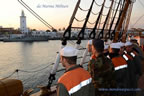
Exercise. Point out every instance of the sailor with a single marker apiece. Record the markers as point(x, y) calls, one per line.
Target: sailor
point(133, 40)
point(131, 69)
point(89, 46)
point(121, 68)
point(75, 81)
point(106, 52)
point(101, 69)
point(122, 48)
point(136, 58)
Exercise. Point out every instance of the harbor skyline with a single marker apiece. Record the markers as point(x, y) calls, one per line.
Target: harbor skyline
point(56, 12)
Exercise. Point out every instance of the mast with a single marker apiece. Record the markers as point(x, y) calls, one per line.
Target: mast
point(123, 15)
point(127, 23)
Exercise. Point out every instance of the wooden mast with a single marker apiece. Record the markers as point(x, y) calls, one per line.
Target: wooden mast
point(127, 23)
point(122, 18)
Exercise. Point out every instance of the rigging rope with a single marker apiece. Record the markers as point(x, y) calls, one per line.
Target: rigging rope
point(80, 20)
point(95, 13)
point(28, 71)
point(73, 43)
point(112, 22)
point(35, 14)
point(91, 23)
point(10, 75)
point(140, 16)
point(81, 33)
point(120, 21)
point(101, 5)
point(101, 23)
point(93, 32)
point(98, 4)
point(83, 9)
point(25, 81)
point(116, 2)
point(106, 7)
point(106, 21)
point(104, 14)
point(126, 24)
point(66, 36)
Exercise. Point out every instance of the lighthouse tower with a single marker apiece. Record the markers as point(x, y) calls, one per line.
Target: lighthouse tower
point(23, 27)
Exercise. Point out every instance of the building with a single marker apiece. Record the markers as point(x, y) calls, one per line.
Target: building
point(23, 26)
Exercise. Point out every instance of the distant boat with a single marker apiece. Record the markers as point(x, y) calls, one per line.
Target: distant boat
point(27, 39)
point(3, 37)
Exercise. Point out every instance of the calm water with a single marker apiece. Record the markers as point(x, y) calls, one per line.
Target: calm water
point(32, 58)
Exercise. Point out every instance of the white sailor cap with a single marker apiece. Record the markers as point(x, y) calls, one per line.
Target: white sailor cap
point(128, 43)
point(108, 42)
point(90, 42)
point(106, 46)
point(68, 51)
point(121, 44)
point(115, 46)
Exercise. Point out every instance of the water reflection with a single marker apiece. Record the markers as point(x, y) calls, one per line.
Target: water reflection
point(26, 53)
point(29, 56)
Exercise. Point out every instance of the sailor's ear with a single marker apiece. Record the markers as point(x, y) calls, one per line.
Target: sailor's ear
point(62, 59)
point(93, 49)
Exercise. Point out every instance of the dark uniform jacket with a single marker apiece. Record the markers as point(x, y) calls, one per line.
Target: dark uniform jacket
point(75, 82)
point(131, 70)
point(121, 72)
point(137, 62)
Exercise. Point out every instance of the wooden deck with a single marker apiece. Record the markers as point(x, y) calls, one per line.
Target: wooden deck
point(53, 93)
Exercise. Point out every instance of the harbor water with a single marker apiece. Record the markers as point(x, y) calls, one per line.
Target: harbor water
point(33, 60)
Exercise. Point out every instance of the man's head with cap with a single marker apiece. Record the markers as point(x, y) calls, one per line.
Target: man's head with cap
point(114, 48)
point(128, 43)
point(122, 47)
point(68, 56)
point(106, 51)
point(97, 46)
point(134, 41)
point(121, 44)
point(106, 46)
point(128, 46)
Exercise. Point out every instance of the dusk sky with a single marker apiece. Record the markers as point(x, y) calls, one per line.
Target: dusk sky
point(10, 11)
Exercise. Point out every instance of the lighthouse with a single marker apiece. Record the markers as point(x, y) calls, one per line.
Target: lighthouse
point(23, 27)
